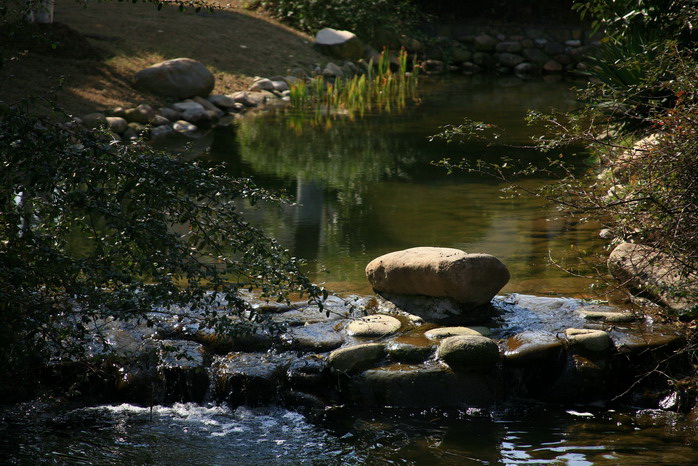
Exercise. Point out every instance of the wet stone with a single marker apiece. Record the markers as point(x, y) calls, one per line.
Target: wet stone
point(250, 378)
point(308, 373)
point(636, 341)
point(445, 332)
point(605, 314)
point(377, 325)
point(531, 346)
point(469, 352)
point(407, 353)
point(424, 385)
point(590, 340)
point(180, 354)
point(357, 357)
point(318, 337)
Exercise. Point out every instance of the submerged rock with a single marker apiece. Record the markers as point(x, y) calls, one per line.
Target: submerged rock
point(471, 279)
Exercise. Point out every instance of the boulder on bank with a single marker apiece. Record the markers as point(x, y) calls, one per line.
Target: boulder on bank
point(343, 45)
point(648, 270)
point(471, 279)
point(180, 78)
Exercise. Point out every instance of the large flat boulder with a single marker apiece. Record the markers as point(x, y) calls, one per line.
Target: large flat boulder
point(650, 271)
point(180, 78)
point(471, 279)
point(343, 45)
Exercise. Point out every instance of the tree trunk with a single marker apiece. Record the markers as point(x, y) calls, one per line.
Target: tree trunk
point(40, 11)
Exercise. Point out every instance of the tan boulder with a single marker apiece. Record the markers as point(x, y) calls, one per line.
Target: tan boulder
point(471, 279)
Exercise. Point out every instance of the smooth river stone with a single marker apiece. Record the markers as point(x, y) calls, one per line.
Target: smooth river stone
point(590, 340)
point(377, 325)
point(469, 352)
point(356, 358)
point(445, 332)
point(469, 279)
point(531, 345)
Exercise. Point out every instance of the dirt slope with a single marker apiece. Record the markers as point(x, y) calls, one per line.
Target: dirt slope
point(121, 38)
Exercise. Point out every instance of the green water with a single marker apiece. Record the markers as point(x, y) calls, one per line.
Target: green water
point(367, 187)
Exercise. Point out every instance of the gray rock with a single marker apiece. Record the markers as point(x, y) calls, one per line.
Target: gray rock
point(170, 114)
point(510, 60)
point(563, 59)
point(551, 66)
point(434, 66)
point(117, 124)
point(471, 279)
point(485, 43)
point(161, 133)
point(592, 313)
point(332, 71)
point(437, 310)
point(208, 105)
point(573, 43)
point(141, 114)
point(179, 78)
point(421, 386)
point(95, 120)
point(249, 378)
point(606, 233)
point(343, 45)
point(184, 127)
point(525, 70)
point(649, 270)
point(263, 84)
point(225, 102)
point(554, 48)
point(469, 352)
point(408, 353)
point(319, 337)
point(509, 47)
point(141, 130)
point(356, 358)
point(470, 68)
point(460, 54)
point(483, 59)
point(159, 120)
point(536, 55)
point(117, 112)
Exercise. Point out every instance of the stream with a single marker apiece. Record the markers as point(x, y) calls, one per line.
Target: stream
point(365, 187)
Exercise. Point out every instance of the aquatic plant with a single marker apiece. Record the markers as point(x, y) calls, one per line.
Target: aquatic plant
point(380, 89)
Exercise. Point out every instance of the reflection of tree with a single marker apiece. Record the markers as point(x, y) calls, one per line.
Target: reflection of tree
point(348, 156)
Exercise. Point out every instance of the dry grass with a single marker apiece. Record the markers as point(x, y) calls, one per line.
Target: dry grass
point(234, 43)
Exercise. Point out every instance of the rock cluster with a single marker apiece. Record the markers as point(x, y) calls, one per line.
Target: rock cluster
point(505, 49)
point(366, 352)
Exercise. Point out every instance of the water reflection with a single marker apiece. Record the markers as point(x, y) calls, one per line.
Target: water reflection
point(367, 187)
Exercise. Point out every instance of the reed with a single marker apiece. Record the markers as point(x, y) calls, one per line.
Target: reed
point(378, 90)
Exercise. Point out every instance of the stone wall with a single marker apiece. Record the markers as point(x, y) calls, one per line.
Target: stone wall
point(505, 48)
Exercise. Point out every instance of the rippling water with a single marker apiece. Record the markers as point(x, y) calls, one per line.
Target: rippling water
point(193, 434)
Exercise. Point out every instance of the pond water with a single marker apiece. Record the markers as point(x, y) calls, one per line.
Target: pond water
point(367, 186)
